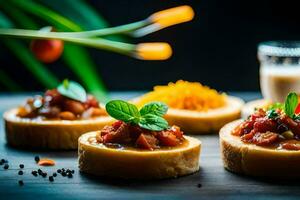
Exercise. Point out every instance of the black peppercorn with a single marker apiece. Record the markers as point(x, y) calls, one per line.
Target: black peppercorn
point(64, 173)
point(40, 172)
point(37, 158)
point(21, 166)
point(70, 175)
point(21, 182)
point(59, 171)
point(54, 174)
point(44, 174)
point(73, 171)
point(51, 179)
point(199, 185)
point(6, 166)
point(20, 172)
point(34, 173)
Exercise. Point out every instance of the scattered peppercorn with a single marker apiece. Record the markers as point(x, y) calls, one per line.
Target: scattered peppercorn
point(73, 171)
point(64, 173)
point(4, 161)
point(70, 175)
point(51, 179)
point(20, 172)
point(59, 171)
point(21, 166)
point(34, 173)
point(54, 174)
point(37, 159)
point(40, 172)
point(44, 174)
point(199, 185)
point(6, 166)
point(21, 182)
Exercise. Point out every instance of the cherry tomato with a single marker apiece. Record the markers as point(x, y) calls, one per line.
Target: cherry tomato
point(47, 51)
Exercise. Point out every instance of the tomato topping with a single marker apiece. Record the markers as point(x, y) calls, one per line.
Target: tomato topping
point(264, 139)
point(291, 145)
point(147, 141)
point(167, 138)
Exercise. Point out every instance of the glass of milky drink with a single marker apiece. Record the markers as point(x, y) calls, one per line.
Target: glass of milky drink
point(279, 69)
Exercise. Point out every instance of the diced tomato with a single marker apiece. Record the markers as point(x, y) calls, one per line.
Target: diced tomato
point(291, 145)
point(177, 132)
point(53, 97)
point(264, 139)
point(120, 136)
point(146, 141)
point(263, 125)
point(166, 138)
point(248, 137)
point(91, 102)
point(117, 124)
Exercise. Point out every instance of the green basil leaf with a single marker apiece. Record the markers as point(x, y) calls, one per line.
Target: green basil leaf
point(156, 108)
point(72, 90)
point(153, 122)
point(123, 111)
point(291, 103)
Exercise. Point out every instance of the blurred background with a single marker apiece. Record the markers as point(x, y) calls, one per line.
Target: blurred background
point(218, 48)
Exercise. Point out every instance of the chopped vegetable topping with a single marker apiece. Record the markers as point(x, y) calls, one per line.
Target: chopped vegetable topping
point(68, 103)
point(186, 95)
point(133, 135)
point(278, 126)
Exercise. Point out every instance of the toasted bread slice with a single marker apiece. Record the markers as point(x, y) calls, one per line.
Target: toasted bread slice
point(195, 122)
point(250, 159)
point(97, 159)
point(48, 134)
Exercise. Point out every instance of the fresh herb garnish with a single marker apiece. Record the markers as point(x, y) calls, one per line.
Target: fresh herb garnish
point(149, 117)
point(290, 104)
point(272, 114)
point(72, 90)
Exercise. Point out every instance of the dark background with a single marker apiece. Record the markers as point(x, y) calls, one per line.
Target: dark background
point(218, 48)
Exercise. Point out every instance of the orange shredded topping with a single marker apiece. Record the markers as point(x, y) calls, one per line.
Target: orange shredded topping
point(186, 95)
point(173, 16)
point(153, 51)
point(46, 162)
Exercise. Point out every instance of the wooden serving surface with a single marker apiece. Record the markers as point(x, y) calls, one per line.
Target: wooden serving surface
point(216, 182)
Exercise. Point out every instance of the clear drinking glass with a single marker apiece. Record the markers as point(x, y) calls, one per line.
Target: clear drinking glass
point(279, 69)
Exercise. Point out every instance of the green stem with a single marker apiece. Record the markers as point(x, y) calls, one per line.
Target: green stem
point(123, 29)
point(118, 47)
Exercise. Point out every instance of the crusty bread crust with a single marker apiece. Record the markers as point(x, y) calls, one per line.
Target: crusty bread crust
point(134, 164)
point(48, 134)
point(194, 122)
point(250, 159)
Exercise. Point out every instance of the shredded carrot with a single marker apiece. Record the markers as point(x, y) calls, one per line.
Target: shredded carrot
point(186, 95)
point(46, 162)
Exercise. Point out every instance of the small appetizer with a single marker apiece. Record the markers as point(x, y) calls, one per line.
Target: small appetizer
point(267, 143)
point(140, 145)
point(197, 109)
point(56, 119)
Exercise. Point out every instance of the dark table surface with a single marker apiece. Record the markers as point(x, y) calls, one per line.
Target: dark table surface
point(217, 183)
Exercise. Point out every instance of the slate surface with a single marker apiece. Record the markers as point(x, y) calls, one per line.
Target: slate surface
point(217, 183)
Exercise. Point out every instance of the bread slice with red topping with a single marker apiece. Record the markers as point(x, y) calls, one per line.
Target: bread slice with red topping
point(255, 160)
